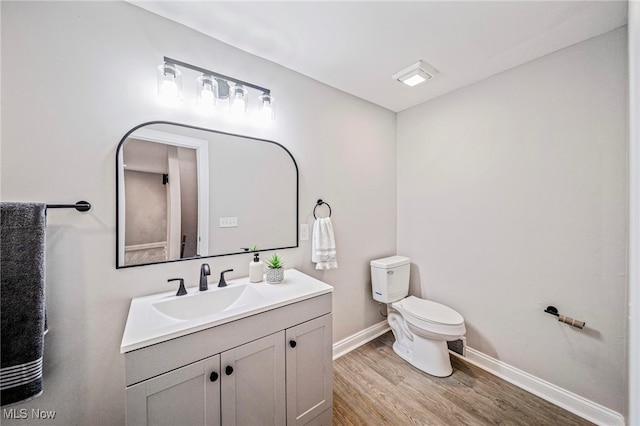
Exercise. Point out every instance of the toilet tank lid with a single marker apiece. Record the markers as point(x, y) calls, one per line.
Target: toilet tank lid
point(390, 262)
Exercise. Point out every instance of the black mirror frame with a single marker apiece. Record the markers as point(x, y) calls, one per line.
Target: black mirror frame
point(119, 147)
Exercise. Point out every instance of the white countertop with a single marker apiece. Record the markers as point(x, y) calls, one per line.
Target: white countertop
point(147, 326)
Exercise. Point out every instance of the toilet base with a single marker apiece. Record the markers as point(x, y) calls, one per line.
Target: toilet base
point(428, 355)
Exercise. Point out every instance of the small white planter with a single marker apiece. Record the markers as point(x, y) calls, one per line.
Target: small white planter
point(275, 276)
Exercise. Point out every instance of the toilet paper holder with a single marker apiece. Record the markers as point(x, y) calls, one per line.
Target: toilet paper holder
point(565, 319)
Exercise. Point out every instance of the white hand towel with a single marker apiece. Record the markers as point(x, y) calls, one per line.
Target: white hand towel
point(323, 244)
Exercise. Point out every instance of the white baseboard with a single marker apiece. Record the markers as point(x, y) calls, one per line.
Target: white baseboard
point(354, 341)
point(556, 395)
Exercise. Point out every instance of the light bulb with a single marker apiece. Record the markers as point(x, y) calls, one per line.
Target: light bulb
point(238, 107)
point(266, 113)
point(169, 89)
point(267, 108)
point(206, 93)
point(169, 84)
point(206, 96)
point(206, 101)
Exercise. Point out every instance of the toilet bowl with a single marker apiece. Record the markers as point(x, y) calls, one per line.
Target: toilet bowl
point(421, 327)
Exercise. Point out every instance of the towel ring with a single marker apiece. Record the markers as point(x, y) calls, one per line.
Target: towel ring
point(319, 203)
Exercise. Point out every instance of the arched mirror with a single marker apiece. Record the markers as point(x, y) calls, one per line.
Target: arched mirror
point(185, 192)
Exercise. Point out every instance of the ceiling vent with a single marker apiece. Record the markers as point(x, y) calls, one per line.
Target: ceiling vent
point(415, 74)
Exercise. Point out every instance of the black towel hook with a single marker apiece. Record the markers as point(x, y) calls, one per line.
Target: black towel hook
point(319, 203)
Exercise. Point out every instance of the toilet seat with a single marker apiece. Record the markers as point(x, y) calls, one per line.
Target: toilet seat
point(430, 311)
point(430, 319)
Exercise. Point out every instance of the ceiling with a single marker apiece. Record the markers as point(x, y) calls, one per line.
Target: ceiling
point(356, 46)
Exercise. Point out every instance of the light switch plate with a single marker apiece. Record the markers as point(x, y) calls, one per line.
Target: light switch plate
point(304, 232)
point(228, 222)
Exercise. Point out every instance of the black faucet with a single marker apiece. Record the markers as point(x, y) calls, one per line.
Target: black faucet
point(222, 282)
point(181, 291)
point(204, 272)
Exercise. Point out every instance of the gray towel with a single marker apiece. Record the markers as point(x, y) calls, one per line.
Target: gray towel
point(22, 252)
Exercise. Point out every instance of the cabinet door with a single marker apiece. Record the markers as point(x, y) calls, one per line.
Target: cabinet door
point(187, 396)
point(309, 370)
point(253, 383)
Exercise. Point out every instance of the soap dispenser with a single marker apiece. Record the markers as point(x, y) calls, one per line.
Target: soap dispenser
point(256, 269)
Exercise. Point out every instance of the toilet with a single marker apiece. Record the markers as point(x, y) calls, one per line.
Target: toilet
point(421, 327)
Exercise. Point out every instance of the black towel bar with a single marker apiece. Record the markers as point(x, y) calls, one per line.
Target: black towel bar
point(81, 206)
point(319, 203)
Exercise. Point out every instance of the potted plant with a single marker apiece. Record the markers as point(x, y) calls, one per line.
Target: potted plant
point(275, 270)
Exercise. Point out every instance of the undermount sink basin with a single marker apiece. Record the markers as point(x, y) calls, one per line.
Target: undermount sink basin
point(203, 304)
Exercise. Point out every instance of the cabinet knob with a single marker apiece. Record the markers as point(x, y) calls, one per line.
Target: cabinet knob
point(214, 376)
point(292, 343)
point(228, 370)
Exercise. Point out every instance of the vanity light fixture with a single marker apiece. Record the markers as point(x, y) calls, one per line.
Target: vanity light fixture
point(213, 91)
point(415, 74)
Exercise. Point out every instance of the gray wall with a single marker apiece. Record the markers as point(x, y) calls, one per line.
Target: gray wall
point(76, 76)
point(511, 197)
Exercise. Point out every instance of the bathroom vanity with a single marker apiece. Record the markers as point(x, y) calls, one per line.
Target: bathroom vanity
point(246, 354)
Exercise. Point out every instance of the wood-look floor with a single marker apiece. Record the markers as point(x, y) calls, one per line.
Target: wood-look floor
point(374, 386)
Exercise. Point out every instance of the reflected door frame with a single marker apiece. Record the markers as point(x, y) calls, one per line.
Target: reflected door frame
point(202, 158)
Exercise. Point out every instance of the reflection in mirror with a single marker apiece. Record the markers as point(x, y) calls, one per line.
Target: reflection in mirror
point(186, 192)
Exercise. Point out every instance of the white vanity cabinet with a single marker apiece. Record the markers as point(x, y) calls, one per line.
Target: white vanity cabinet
point(272, 368)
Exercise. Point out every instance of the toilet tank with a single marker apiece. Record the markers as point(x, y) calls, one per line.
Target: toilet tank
point(390, 278)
